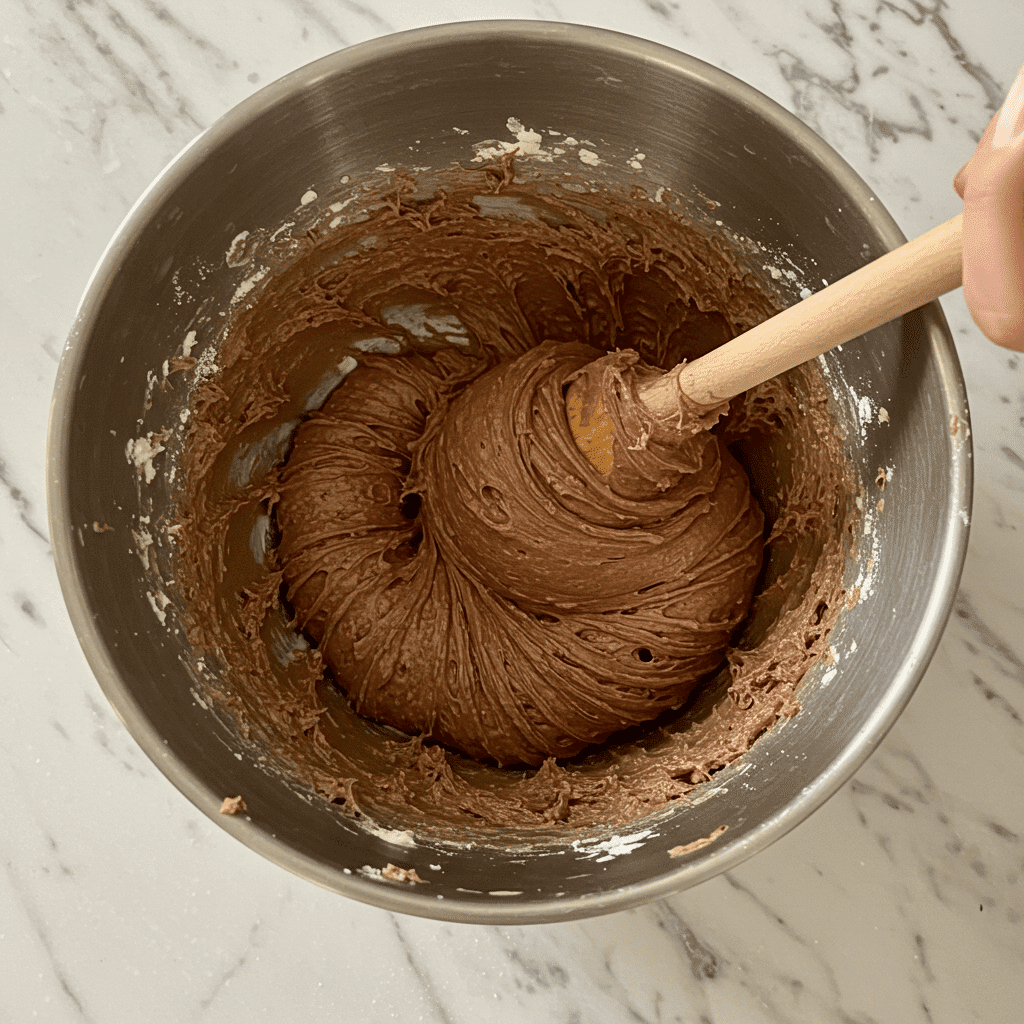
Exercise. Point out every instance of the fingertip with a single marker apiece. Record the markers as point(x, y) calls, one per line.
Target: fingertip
point(1001, 326)
point(960, 179)
point(993, 289)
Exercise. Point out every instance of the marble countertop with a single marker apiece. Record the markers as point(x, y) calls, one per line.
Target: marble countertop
point(900, 901)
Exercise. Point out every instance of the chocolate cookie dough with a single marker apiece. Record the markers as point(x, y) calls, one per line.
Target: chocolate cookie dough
point(468, 575)
point(386, 524)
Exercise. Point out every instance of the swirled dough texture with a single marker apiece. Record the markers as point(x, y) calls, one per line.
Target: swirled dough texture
point(353, 560)
point(532, 606)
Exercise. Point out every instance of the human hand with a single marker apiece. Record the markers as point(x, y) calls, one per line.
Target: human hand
point(991, 185)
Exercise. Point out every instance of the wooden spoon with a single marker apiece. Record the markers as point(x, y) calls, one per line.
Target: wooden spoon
point(908, 277)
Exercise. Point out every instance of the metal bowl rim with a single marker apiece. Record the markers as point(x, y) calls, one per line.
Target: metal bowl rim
point(724, 855)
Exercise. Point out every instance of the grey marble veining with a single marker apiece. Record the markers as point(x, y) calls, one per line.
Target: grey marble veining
point(900, 901)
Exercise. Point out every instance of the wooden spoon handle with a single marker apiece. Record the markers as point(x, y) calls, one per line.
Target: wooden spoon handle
point(904, 279)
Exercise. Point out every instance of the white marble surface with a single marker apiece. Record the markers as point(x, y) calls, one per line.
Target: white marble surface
point(900, 901)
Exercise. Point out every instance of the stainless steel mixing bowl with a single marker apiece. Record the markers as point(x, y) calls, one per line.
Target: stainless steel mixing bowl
point(421, 98)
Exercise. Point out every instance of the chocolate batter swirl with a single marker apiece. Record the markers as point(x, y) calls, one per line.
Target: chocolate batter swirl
point(532, 607)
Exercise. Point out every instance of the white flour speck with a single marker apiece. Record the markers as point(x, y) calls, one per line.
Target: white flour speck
point(248, 284)
point(141, 451)
point(236, 255)
point(865, 414)
point(614, 847)
point(159, 601)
